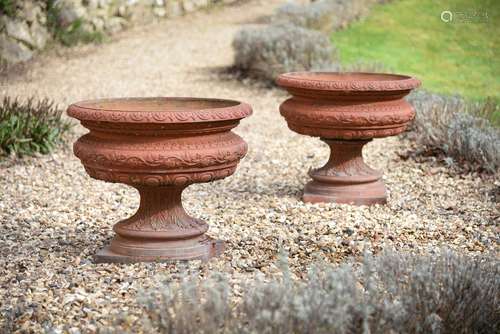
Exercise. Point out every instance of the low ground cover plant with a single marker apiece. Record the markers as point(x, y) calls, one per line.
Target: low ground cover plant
point(458, 128)
point(268, 52)
point(390, 293)
point(30, 127)
point(323, 15)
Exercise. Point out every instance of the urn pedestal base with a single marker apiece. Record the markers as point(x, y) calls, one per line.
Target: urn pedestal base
point(201, 249)
point(160, 231)
point(345, 178)
point(357, 194)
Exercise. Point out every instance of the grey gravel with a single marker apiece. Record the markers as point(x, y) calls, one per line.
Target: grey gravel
point(53, 217)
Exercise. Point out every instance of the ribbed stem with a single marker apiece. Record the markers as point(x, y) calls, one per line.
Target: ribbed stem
point(346, 162)
point(160, 215)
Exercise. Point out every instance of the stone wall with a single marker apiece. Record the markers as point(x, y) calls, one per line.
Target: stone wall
point(25, 31)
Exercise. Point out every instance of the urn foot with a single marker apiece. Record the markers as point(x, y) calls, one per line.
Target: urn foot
point(202, 248)
point(357, 194)
point(345, 178)
point(160, 230)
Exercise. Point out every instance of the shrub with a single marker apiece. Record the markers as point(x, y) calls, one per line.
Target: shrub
point(72, 34)
point(267, 52)
point(76, 33)
point(8, 7)
point(30, 127)
point(391, 293)
point(323, 15)
point(294, 42)
point(458, 128)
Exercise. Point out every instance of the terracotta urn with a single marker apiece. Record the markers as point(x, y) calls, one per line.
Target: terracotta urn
point(346, 110)
point(160, 146)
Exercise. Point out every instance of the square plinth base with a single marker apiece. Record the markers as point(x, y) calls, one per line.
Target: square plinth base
point(354, 194)
point(203, 251)
point(315, 198)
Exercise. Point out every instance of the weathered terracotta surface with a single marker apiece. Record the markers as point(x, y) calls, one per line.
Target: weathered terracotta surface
point(346, 110)
point(160, 146)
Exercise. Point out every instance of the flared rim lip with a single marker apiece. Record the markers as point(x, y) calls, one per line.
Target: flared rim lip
point(87, 111)
point(307, 80)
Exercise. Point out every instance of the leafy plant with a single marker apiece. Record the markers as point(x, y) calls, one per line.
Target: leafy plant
point(76, 33)
point(30, 127)
point(390, 293)
point(8, 7)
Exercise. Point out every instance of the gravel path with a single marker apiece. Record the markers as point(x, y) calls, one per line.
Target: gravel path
point(53, 217)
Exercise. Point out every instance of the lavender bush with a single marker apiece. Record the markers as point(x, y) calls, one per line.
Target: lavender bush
point(296, 39)
point(267, 52)
point(459, 129)
point(390, 293)
point(323, 15)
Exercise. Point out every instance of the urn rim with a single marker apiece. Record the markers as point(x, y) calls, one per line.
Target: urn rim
point(173, 110)
point(347, 81)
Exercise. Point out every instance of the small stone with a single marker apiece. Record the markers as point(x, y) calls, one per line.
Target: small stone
point(30, 11)
point(18, 30)
point(74, 330)
point(174, 8)
point(189, 6)
point(92, 4)
point(39, 35)
point(201, 3)
point(160, 11)
point(122, 11)
point(103, 3)
point(13, 51)
point(114, 24)
point(70, 11)
point(98, 23)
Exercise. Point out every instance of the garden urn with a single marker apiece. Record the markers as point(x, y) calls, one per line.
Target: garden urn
point(160, 146)
point(346, 111)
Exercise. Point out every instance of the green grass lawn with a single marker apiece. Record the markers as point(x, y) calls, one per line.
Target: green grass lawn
point(408, 36)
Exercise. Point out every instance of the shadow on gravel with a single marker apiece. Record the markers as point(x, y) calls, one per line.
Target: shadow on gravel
point(279, 190)
point(10, 73)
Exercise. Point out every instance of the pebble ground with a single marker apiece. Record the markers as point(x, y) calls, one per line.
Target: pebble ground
point(53, 217)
